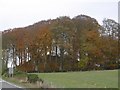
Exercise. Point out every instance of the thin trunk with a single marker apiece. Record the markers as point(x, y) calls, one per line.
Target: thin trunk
point(56, 53)
point(62, 59)
point(45, 59)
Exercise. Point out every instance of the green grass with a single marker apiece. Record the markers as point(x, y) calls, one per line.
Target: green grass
point(88, 79)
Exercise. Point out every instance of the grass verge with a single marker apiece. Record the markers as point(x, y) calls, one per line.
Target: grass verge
point(88, 79)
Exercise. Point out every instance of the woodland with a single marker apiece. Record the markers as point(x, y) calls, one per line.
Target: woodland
point(63, 44)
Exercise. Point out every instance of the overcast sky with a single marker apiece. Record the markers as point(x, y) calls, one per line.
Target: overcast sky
point(20, 13)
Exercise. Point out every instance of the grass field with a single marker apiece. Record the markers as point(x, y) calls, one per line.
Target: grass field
point(88, 79)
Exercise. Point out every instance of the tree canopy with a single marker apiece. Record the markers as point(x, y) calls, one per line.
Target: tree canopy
point(63, 44)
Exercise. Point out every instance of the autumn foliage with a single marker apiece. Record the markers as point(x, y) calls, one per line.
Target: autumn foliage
point(64, 44)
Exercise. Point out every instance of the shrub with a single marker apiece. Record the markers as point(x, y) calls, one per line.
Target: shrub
point(32, 78)
point(4, 71)
point(18, 73)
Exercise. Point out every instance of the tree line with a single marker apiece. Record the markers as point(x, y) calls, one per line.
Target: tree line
point(63, 44)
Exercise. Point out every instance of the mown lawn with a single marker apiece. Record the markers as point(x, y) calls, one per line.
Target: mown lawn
point(88, 79)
